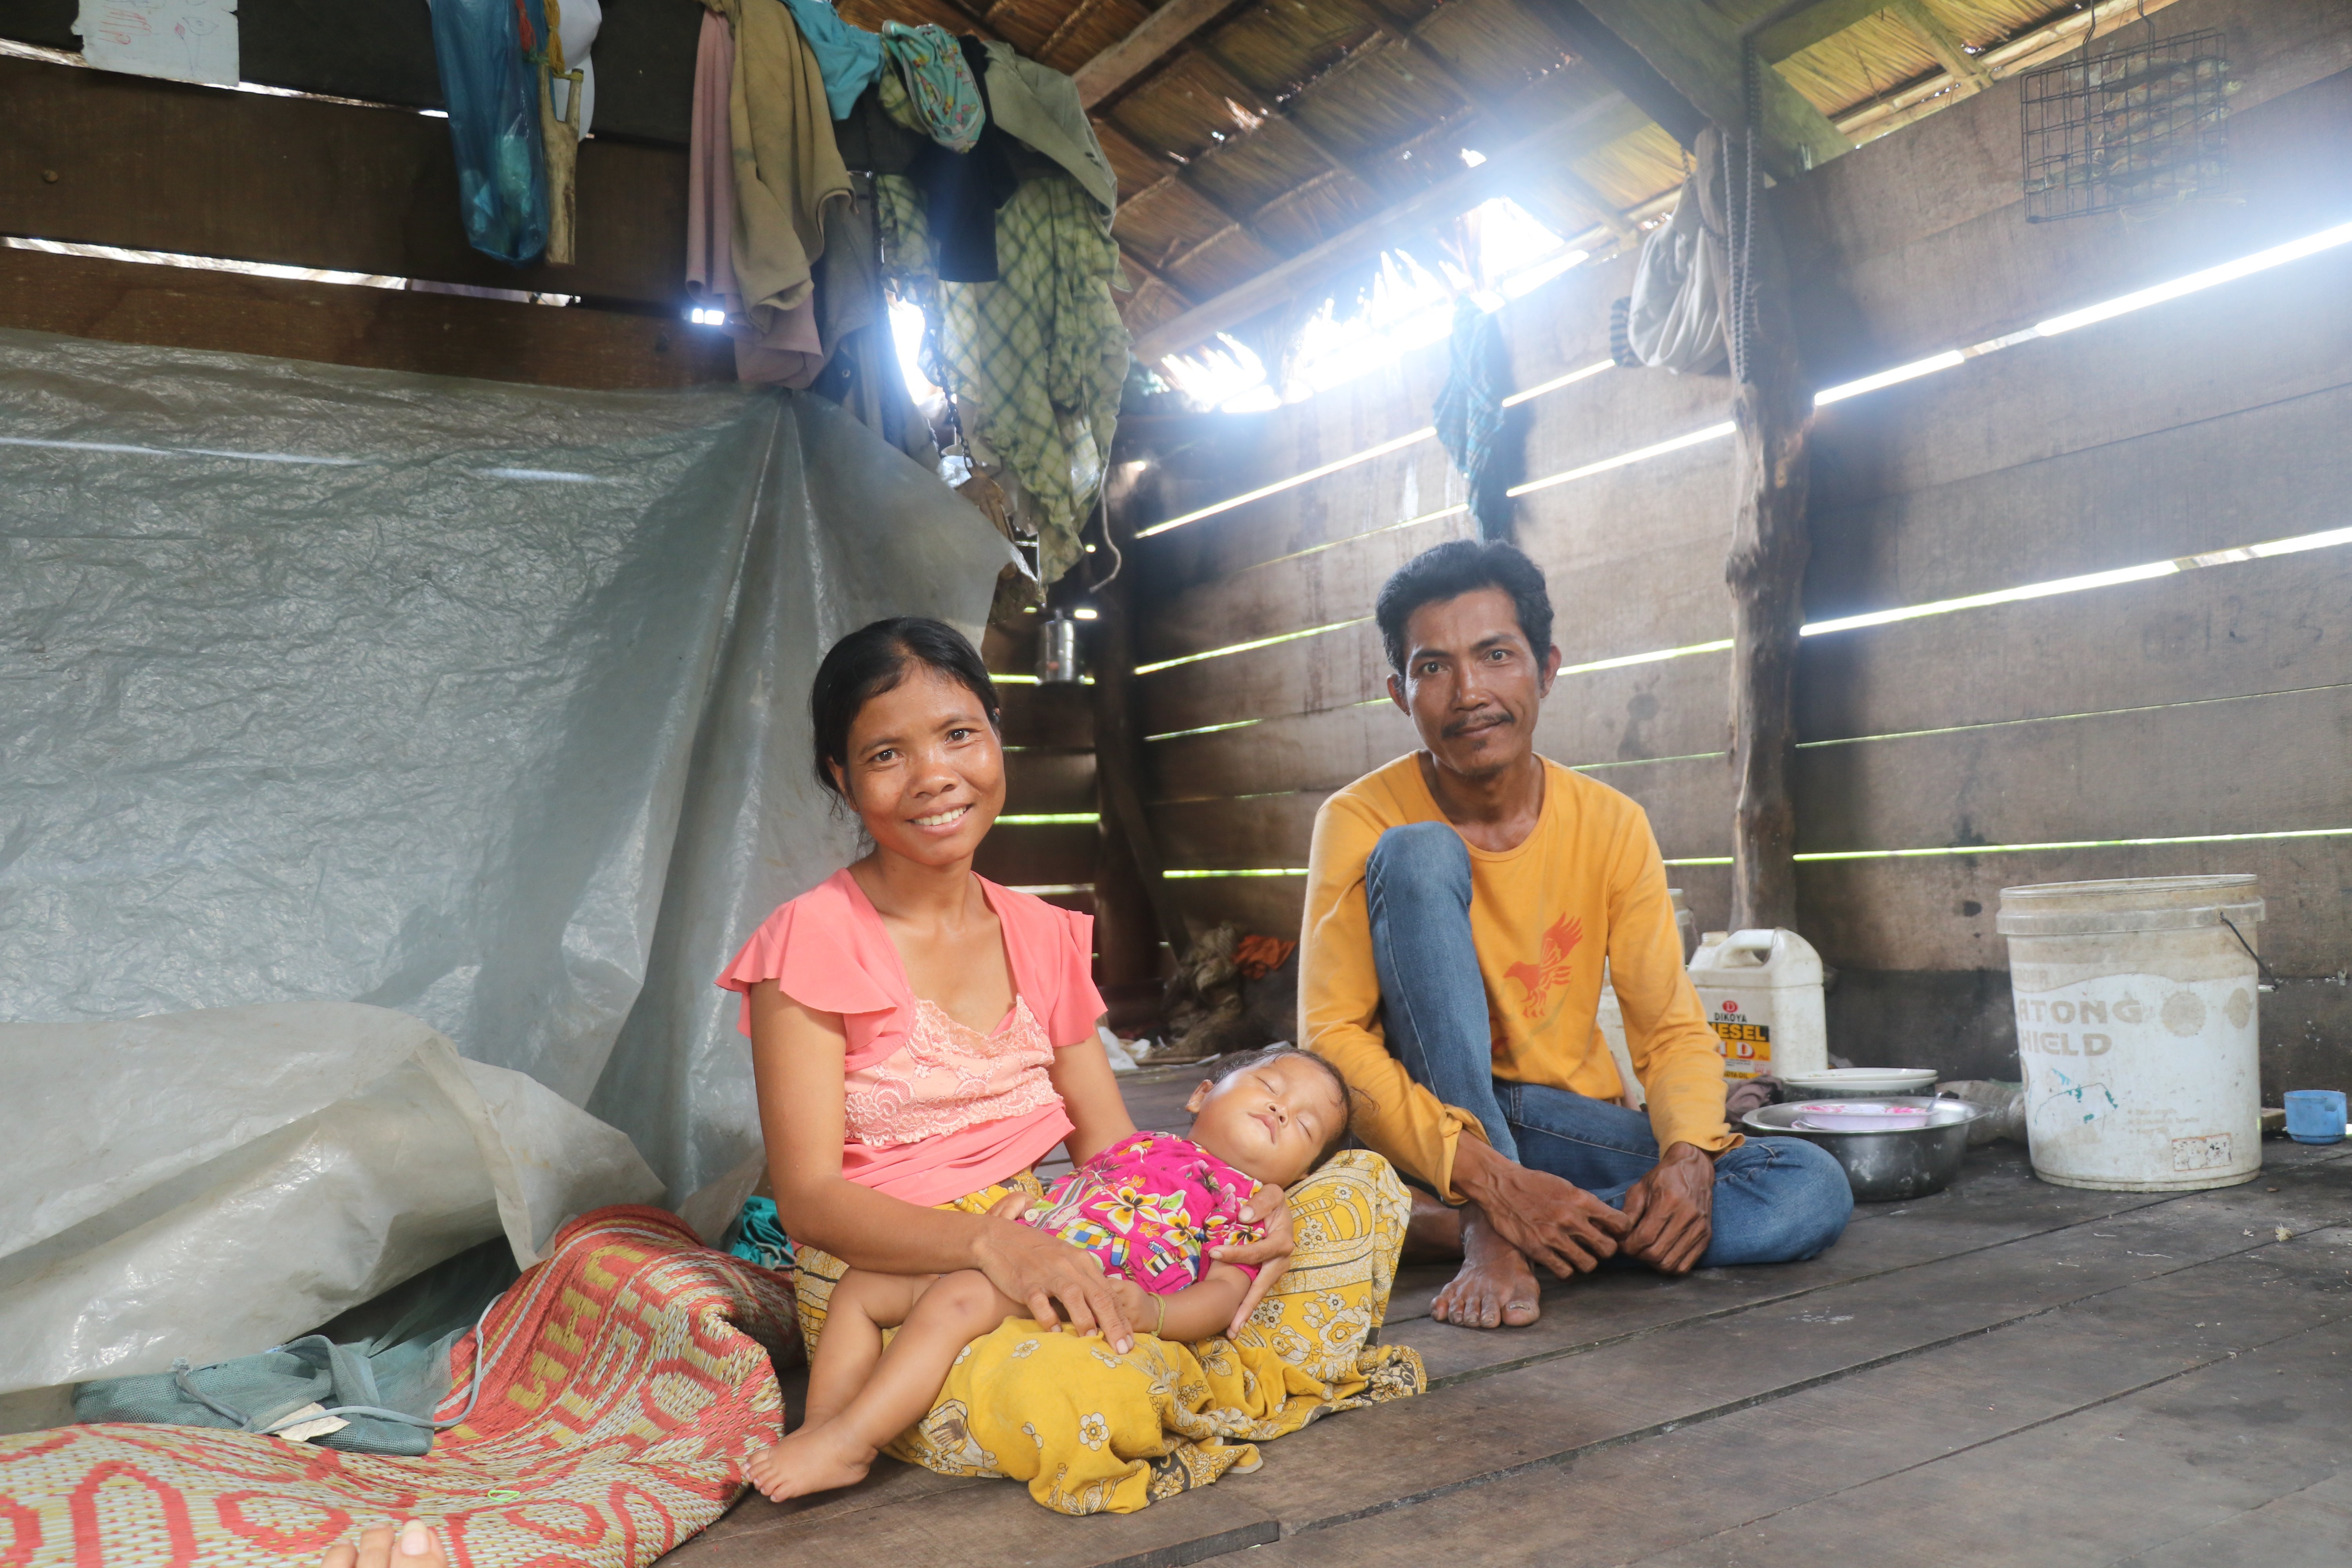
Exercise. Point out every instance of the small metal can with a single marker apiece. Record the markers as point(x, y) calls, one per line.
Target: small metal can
point(1057, 650)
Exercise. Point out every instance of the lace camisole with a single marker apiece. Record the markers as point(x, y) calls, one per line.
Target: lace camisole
point(947, 1076)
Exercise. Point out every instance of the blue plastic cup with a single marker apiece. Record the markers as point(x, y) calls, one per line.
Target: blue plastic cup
point(2316, 1115)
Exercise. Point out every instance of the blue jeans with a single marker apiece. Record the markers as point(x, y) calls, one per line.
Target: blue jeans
point(1777, 1200)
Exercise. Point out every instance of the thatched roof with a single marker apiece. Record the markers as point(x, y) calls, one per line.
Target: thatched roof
point(1278, 125)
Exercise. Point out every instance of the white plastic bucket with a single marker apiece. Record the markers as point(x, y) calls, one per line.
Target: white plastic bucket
point(2136, 1009)
point(1762, 994)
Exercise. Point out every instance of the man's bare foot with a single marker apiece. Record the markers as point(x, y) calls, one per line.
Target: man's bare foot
point(812, 1459)
point(1494, 1287)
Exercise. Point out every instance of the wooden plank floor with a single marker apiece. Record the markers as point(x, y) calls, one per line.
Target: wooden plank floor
point(2007, 1373)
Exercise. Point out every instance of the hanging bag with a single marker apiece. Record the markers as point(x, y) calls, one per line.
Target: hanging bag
point(485, 48)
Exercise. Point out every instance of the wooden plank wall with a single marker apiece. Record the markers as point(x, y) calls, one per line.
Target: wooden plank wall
point(97, 159)
point(2212, 702)
point(1049, 772)
point(1049, 767)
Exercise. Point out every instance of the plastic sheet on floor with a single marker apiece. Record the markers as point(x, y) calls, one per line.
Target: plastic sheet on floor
point(208, 1184)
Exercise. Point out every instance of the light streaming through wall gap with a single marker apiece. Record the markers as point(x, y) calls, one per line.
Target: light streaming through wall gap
point(2123, 304)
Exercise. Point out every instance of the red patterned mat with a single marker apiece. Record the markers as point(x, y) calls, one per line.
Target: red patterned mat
point(626, 1381)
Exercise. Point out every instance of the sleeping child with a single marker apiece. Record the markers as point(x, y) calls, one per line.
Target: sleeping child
point(1149, 1209)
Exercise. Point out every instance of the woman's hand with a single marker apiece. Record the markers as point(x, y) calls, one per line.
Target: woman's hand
point(1268, 1206)
point(1047, 1272)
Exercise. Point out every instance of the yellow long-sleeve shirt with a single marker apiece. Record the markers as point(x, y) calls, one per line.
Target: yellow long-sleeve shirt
point(1585, 885)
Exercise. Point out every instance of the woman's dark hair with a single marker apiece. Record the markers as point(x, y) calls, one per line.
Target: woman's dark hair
point(873, 660)
point(1453, 569)
point(1226, 1066)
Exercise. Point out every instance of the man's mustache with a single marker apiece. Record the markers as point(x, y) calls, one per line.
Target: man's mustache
point(1485, 719)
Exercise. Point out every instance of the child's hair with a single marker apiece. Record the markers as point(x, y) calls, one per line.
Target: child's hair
point(873, 660)
point(1226, 1066)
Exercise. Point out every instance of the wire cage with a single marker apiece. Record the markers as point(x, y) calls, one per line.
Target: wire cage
point(2127, 129)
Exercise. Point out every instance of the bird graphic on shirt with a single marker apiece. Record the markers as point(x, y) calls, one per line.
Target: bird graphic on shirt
point(1540, 978)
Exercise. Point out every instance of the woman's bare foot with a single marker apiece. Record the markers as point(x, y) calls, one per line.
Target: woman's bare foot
point(406, 1545)
point(813, 1460)
point(1433, 1233)
point(1496, 1287)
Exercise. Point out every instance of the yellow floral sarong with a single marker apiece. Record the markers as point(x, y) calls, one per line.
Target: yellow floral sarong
point(1091, 1431)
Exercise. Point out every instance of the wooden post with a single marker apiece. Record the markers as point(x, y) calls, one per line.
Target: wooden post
point(1119, 760)
point(1770, 544)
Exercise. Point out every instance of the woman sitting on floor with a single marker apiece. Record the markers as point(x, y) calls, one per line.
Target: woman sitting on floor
point(922, 1037)
point(1152, 1208)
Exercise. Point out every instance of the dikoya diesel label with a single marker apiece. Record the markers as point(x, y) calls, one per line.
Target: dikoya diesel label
point(1747, 1045)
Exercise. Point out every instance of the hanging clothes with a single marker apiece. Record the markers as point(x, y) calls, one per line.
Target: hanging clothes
point(785, 163)
point(940, 85)
point(961, 190)
point(787, 351)
point(871, 140)
point(1040, 107)
point(848, 57)
point(861, 369)
point(1471, 423)
point(1035, 360)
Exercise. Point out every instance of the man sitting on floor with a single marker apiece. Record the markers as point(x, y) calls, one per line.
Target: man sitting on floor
point(1460, 902)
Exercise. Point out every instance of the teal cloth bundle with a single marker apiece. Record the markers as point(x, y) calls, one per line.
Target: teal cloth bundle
point(758, 1236)
point(940, 84)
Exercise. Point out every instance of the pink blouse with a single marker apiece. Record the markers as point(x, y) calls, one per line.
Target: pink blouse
point(932, 1109)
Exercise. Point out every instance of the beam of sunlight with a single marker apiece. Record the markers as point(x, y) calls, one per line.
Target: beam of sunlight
point(1555, 383)
point(1397, 444)
point(1917, 367)
point(1241, 871)
point(2227, 272)
point(1640, 454)
point(2068, 844)
point(1248, 646)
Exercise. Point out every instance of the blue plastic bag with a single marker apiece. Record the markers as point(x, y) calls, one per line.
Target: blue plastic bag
point(487, 50)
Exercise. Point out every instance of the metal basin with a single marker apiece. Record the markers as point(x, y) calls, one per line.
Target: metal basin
point(1881, 1167)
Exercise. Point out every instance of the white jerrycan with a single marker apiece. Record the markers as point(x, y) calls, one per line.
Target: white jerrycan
point(1610, 1018)
point(1762, 994)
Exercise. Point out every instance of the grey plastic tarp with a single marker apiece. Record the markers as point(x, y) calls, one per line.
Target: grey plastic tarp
point(483, 703)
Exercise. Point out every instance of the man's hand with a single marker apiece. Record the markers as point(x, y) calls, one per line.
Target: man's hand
point(1672, 1211)
point(1550, 1222)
